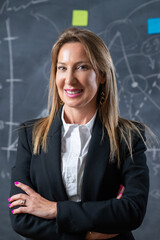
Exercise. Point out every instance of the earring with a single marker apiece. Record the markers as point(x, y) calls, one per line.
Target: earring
point(102, 98)
point(60, 101)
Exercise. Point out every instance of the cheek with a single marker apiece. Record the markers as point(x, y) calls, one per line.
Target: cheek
point(58, 88)
point(93, 83)
point(59, 82)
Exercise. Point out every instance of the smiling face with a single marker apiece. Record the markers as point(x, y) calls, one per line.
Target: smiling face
point(76, 81)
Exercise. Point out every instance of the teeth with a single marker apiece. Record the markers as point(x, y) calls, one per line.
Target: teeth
point(74, 92)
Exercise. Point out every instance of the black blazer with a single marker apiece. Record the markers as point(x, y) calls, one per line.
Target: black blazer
point(99, 210)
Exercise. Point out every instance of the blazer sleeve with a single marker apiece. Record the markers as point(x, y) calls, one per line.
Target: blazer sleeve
point(113, 215)
point(25, 224)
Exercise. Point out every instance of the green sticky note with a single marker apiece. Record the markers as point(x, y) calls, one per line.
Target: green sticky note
point(80, 18)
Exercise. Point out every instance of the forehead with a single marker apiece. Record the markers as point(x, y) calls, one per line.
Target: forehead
point(72, 51)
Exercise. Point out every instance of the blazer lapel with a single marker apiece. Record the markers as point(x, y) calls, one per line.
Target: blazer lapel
point(53, 159)
point(96, 163)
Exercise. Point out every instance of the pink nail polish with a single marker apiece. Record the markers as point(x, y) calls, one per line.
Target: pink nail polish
point(16, 183)
point(9, 199)
point(9, 205)
point(12, 211)
point(121, 186)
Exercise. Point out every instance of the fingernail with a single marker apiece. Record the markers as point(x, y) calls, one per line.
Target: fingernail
point(16, 183)
point(9, 199)
point(121, 186)
point(9, 205)
point(12, 211)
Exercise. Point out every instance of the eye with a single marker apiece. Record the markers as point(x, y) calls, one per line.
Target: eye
point(83, 67)
point(61, 68)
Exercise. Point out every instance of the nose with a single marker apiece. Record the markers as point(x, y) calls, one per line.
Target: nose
point(70, 77)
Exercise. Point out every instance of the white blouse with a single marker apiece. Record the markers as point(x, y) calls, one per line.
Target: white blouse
point(75, 141)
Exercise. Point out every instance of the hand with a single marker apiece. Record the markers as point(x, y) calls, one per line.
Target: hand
point(32, 203)
point(96, 235)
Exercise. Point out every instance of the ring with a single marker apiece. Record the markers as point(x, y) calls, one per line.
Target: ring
point(23, 202)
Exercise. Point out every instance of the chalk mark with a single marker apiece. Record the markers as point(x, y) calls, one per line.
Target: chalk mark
point(118, 35)
point(139, 7)
point(11, 81)
point(39, 16)
point(6, 7)
point(149, 98)
point(155, 193)
point(12, 147)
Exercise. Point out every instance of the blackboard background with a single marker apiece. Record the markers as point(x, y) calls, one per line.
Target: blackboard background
point(28, 29)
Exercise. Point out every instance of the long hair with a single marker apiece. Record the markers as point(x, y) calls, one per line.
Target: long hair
point(101, 62)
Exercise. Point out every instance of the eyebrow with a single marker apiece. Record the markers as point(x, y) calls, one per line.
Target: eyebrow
point(75, 63)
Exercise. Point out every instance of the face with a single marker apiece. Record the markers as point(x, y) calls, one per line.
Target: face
point(76, 81)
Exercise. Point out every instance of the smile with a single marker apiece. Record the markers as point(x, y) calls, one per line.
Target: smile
point(72, 92)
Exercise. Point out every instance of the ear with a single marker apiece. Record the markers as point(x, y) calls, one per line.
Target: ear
point(102, 79)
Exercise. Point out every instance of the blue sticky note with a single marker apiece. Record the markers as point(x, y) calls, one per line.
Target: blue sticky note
point(153, 25)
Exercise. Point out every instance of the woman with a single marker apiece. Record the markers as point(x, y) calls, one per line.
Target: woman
point(70, 165)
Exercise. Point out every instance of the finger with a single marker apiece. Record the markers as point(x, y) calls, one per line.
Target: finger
point(96, 235)
point(119, 196)
point(121, 191)
point(18, 197)
point(25, 188)
point(19, 202)
point(108, 236)
point(20, 210)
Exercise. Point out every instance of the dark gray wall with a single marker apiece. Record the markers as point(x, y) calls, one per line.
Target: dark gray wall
point(28, 29)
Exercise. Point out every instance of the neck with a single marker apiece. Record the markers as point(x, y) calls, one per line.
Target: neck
point(78, 116)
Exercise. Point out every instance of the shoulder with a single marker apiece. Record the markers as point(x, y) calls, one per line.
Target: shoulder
point(131, 134)
point(130, 128)
point(138, 132)
point(25, 129)
point(25, 133)
point(29, 124)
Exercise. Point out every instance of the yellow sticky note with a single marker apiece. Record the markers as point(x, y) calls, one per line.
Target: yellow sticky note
point(80, 18)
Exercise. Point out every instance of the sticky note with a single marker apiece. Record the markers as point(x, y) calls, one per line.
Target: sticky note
point(153, 25)
point(79, 18)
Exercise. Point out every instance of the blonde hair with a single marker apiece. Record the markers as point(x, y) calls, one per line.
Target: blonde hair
point(101, 62)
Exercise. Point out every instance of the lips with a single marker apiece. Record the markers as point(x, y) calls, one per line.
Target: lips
point(73, 91)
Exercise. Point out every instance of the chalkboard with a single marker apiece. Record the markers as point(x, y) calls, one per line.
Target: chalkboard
point(29, 28)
